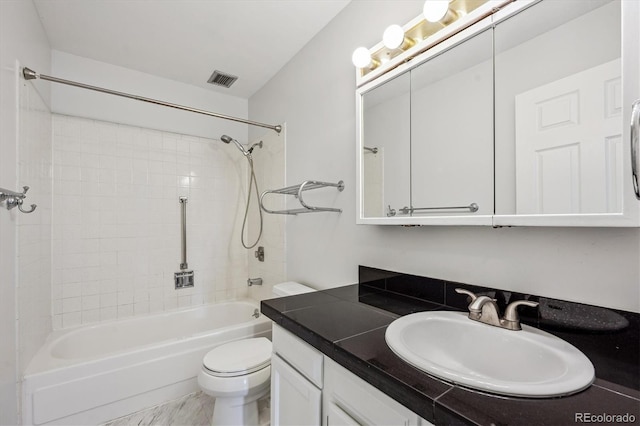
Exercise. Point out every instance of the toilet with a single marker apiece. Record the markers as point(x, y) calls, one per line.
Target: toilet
point(238, 374)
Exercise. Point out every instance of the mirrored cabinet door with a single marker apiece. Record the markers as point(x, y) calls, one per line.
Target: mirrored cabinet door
point(452, 131)
point(385, 150)
point(561, 123)
point(522, 119)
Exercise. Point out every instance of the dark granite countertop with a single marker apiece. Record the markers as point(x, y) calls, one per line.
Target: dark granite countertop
point(348, 325)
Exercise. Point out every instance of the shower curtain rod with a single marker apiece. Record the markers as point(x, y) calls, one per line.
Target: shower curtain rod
point(29, 74)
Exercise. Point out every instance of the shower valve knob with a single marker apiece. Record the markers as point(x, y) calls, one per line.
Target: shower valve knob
point(259, 254)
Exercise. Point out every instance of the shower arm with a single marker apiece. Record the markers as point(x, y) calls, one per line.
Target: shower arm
point(29, 74)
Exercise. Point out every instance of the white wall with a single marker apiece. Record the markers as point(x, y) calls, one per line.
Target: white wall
point(21, 39)
point(314, 94)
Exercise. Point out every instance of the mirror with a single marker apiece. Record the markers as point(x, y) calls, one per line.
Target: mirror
point(521, 115)
point(427, 137)
point(386, 148)
point(452, 131)
point(558, 109)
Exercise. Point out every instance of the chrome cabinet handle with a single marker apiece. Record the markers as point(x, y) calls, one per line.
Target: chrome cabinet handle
point(635, 134)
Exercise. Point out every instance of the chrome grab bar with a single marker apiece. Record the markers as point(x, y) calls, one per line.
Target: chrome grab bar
point(184, 278)
point(635, 135)
point(183, 204)
point(473, 207)
point(16, 199)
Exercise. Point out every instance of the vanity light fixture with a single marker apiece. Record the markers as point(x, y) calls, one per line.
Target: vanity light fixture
point(394, 38)
point(435, 10)
point(440, 20)
point(361, 58)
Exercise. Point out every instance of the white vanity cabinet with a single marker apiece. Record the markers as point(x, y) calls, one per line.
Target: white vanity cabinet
point(296, 381)
point(307, 388)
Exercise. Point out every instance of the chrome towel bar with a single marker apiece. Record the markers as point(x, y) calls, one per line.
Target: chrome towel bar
point(473, 207)
point(297, 190)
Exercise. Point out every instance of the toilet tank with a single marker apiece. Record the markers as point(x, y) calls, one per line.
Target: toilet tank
point(290, 288)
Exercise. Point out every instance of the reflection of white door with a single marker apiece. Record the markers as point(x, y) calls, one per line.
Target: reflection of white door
point(569, 144)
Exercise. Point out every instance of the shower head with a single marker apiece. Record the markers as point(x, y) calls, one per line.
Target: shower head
point(229, 139)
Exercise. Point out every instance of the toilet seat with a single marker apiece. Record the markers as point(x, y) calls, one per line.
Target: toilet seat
point(238, 358)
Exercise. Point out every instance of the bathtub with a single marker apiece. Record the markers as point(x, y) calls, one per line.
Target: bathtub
point(93, 374)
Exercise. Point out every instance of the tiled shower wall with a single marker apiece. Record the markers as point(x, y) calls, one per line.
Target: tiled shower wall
point(34, 229)
point(116, 220)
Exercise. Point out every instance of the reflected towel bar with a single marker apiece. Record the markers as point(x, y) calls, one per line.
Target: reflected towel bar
point(473, 207)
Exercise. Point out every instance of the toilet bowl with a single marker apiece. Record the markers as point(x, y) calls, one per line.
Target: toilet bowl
point(237, 374)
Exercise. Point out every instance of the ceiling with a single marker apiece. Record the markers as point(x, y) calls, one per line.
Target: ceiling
point(186, 40)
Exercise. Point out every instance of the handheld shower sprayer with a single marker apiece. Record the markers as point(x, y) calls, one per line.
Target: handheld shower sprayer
point(229, 139)
point(253, 183)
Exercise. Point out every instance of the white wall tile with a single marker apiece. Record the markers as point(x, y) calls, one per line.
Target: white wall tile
point(116, 225)
point(34, 231)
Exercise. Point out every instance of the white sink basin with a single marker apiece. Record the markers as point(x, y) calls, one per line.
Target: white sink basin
point(529, 362)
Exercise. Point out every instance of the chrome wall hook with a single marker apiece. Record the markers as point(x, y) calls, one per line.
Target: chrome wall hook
point(33, 207)
point(15, 199)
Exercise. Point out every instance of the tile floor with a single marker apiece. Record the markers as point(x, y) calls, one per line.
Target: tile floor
point(195, 409)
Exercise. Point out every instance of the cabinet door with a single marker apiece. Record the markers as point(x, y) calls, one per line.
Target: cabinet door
point(336, 416)
point(562, 134)
point(294, 400)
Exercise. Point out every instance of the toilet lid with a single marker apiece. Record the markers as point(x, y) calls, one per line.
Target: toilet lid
point(239, 357)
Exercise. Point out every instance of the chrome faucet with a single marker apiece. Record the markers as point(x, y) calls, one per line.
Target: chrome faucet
point(485, 310)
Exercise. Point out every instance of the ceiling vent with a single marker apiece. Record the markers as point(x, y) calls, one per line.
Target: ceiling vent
point(222, 79)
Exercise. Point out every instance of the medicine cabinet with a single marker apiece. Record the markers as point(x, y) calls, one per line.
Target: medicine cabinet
point(522, 119)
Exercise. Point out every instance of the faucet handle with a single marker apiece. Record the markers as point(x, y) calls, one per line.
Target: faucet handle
point(468, 293)
point(511, 313)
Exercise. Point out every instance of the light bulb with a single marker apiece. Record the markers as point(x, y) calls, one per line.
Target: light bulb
point(361, 57)
point(435, 10)
point(393, 37)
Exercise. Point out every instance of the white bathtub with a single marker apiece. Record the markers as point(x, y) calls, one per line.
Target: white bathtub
point(93, 374)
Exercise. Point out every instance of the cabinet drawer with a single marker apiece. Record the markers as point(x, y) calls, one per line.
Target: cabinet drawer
point(350, 400)
point(299, 354)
